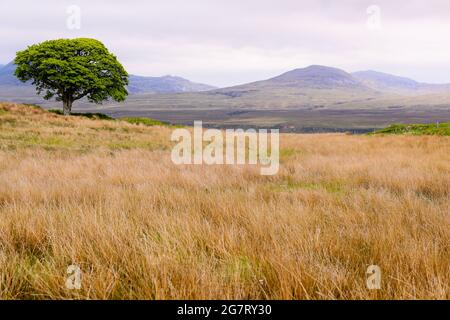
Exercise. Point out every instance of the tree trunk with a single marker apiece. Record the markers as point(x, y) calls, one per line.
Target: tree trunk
point(67, 106)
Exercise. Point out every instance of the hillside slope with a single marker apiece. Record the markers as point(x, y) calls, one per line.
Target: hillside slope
point(7, 77)
point(313, 77)
point(165, 84)
point(383, 81)
point(391, 83)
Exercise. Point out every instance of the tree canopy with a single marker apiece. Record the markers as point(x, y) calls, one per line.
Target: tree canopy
point(71, 69)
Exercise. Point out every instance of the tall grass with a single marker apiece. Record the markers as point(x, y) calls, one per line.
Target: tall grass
point(140, 227)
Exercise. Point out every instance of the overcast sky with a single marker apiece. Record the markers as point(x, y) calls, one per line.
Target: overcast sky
point(229, 42)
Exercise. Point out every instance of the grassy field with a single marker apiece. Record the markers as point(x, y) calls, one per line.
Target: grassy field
point(104, 195)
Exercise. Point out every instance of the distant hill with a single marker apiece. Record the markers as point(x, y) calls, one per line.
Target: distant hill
point(313, 86)
point(329, 78)
point(317, 77)
point(7, 77)
point(391, 83)
point(166, 84)
point(324, 87)
point(383, 81)
point(138, 84)
point(312, 77)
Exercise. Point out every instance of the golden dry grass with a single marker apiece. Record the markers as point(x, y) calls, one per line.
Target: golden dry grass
point(105, 195)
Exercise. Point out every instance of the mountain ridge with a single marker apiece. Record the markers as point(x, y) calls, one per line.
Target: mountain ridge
point(317, 76)
point(311, 77)
point(138, 84)
point(389, 82)
point(311, 88)
point(325, 77)
point(164, 84)
point(7, 77)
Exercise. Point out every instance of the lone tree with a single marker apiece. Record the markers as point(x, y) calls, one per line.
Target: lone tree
point(70, 69)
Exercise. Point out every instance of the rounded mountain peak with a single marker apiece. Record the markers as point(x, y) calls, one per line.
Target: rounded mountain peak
point(318, 77)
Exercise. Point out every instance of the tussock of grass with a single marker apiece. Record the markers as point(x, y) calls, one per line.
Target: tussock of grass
point(141, 227)
point(441, 129)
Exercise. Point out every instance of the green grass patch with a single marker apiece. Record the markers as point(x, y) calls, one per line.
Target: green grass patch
point(50, 142)
point(132, 144)
point(145, 121)
point(440, 129)
point(290, 184)
point(287, 153)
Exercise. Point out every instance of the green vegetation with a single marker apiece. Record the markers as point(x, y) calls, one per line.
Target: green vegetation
point(71, 69)
point(289, 185)
point(144, 121)
point(441, 129)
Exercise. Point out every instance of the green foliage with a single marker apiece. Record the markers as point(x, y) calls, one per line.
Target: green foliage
point(144, 121)
point(441, 129)
point(70, 69)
